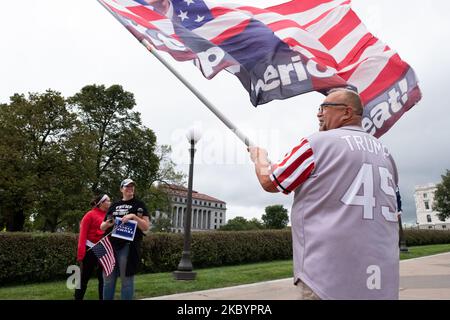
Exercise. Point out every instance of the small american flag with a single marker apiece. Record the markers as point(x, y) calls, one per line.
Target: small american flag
point(105, 254)
point(281, 51)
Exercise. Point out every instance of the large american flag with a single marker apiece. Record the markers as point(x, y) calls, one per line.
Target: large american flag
point(105, 255)
point(281, 51)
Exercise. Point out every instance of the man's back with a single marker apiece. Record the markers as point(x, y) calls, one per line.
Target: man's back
point(344, 220)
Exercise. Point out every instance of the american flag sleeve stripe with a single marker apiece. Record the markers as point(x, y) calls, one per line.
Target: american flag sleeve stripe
point(294, 169)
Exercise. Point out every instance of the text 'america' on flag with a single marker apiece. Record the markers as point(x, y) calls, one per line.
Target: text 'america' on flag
point(105, 254)
point(281, 51)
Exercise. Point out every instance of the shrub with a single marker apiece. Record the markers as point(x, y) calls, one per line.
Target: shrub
point(35, 257)
point(162, 251)
point(38, 257)
point(426, 237)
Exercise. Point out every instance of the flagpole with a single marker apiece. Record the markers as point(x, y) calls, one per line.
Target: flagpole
point(200, 96)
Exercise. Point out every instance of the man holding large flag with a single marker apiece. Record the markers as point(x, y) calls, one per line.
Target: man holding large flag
point(344, 216)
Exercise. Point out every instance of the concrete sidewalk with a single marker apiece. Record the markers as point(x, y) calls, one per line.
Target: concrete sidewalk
point(421, 278)
point(426, 278)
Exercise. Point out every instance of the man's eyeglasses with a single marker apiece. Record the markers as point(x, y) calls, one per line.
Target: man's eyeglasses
point(331, 104)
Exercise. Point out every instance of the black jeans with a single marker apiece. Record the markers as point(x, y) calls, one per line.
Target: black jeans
point(90, 263)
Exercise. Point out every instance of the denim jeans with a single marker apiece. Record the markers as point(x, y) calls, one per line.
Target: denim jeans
point(109, 282)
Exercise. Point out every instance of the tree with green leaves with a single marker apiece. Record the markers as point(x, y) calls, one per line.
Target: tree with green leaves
point(241, 224)
point(255, 224)
point(276, 217)
point(35, 161)
point(235, 224)
point(121, 146)
point(113, 127)
point(55, 153)
point(442, 197)
point(161, 223)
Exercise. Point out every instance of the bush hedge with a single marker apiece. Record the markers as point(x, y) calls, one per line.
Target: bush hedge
point(35, 257)
point(162, 252)
point(39, 257)
point(426, 237)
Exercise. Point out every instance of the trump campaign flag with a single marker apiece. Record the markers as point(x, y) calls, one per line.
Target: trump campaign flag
point(105, 255)
point(281, 51)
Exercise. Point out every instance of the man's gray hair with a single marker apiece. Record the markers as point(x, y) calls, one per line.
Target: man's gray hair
point(352, 98)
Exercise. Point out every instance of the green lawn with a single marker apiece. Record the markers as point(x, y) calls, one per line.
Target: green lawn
point(415, 252)
point(158, 284)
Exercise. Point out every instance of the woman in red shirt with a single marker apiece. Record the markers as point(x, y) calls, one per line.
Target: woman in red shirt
point(90, 234)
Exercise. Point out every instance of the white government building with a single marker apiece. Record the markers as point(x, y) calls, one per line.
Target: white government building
point(426, 217)
point(208, 213)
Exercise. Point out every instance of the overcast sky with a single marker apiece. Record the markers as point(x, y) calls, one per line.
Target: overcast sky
point(65, 45)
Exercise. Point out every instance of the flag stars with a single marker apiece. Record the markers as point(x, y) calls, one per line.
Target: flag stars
point(189, 2)
point(183, 15)
point(199, 18)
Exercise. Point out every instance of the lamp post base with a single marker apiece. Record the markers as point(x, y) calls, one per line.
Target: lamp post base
point(184, 275)
point(403, 247)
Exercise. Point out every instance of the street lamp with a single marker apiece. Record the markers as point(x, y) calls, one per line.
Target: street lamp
point(184, 271)
point(402, 241)
point(403, 247)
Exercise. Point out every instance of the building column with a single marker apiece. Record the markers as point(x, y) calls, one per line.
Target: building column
point(173, 218)
point(204, 218)
point(180, 217)
point(198, 219)
point(194, 219)
point(209, 220)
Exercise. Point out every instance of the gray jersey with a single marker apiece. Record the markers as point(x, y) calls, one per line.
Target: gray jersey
point(344, 218)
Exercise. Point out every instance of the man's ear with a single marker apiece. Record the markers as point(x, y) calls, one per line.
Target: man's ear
point(348, 114)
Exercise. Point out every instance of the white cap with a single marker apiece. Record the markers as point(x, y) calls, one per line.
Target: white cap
point(126, 182)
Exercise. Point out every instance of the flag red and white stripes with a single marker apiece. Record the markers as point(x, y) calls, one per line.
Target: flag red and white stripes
point(359, 57)
point(294, 169)
point(104, 252)
point(281, 51)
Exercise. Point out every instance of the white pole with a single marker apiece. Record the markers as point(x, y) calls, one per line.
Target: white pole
point(202, 98)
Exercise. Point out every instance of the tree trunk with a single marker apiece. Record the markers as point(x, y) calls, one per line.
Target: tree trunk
point(50, 225)
point(15, 219)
